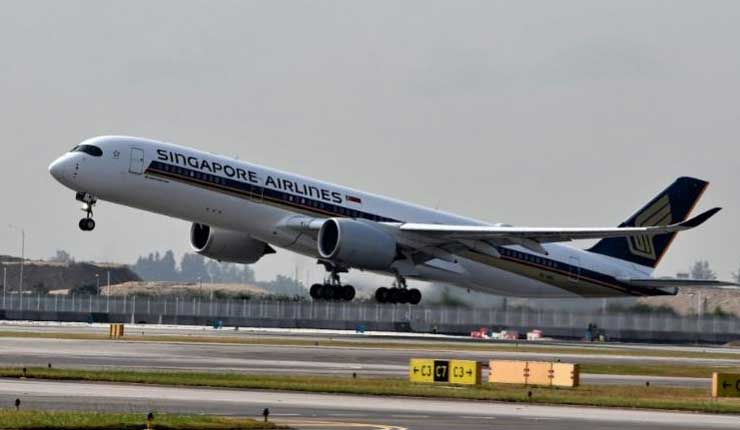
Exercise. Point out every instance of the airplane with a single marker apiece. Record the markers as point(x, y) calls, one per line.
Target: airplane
point(240, 212)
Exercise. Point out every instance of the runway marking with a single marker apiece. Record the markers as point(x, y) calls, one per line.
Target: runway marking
point(312, 423)
point(409, 416)
point(477, 417)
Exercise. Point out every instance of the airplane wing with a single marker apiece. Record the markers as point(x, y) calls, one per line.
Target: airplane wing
point(547, 234)
point(444, 240)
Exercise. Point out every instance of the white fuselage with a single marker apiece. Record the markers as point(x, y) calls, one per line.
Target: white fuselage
point(230, 194)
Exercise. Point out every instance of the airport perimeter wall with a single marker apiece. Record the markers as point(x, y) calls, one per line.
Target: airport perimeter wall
point(348, 316)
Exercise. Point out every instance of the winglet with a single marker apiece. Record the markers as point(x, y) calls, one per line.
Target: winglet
point(699, 219)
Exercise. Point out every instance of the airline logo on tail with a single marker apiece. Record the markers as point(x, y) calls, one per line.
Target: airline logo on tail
point(659, 213)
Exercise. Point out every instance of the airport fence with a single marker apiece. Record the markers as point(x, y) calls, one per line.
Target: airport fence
point(370, 316)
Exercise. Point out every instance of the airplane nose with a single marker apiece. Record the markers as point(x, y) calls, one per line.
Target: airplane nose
point(58, 169)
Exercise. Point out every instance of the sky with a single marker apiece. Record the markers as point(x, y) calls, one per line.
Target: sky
point(535, 113)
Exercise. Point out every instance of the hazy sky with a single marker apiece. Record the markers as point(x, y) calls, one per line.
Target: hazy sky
point(530, 113)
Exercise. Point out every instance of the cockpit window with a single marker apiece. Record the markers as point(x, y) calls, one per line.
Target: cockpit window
point(88, 149)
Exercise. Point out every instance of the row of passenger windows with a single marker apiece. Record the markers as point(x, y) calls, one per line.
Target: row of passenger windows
point(532, 258)
point(193, 174)
point(282, 196)
point(339, 210)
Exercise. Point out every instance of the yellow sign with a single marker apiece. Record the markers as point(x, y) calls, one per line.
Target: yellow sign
point(566, 374)
point(507, 372)
point(464, 372)
point(421, 370)
point(725, 385)
point(115, 331)
point(543, 373)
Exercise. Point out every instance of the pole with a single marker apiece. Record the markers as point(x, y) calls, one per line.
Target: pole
point(23, 258)
point(5, 278)
point(107, 296)
point(700, 305)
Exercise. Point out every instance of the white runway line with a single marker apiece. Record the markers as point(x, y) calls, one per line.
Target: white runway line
point(362, 403)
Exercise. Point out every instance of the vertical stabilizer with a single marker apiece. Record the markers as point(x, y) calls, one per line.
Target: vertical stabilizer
point(671, 206)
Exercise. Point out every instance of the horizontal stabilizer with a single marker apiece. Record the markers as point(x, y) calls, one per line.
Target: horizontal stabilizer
point(679, 283)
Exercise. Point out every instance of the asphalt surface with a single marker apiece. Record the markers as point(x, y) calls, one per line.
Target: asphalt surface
point(317, 411)
point(303, 360)
point(323, 411)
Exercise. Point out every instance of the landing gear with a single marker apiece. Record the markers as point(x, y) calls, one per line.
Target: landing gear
point(87, 224)
point(398, 294)
point(88, 201)
point(332, 288)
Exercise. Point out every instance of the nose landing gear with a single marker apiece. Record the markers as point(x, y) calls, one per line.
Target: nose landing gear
point(88, 201)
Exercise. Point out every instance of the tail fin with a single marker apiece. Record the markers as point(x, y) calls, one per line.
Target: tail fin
point(671, 206)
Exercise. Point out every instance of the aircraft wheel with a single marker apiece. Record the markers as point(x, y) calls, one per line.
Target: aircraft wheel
point(327, 292)
point(315, 291)
point(87, 224)
point(414, 296)
point(402, 295)
point(348, 292)
point(337, 292)
point(382, 295)
point(394, 295)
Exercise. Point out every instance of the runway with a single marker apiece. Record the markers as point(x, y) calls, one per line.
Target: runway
point(303, 360)
point(317, 411)
point(309, 410)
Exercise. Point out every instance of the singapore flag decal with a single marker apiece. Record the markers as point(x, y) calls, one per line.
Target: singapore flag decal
point(353, 199)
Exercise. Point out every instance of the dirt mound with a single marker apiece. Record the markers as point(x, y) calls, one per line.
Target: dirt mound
point(690, 300)
point(44, 276)
point(180, 289)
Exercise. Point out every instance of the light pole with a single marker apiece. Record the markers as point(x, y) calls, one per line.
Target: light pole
point(699, 304)
point(107, 296)
point(5, 278)
point(23, 258)
point(97, 283)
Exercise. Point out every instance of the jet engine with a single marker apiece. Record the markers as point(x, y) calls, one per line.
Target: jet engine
point(227, 246)
point(356, 244)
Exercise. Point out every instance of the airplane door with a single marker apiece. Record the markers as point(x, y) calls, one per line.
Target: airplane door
point(574, 271)
point(136, 166)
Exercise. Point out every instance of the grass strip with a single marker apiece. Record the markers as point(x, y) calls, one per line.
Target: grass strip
point(671, 398)
point(437, 345)
point(50, 420)
point(674, 370)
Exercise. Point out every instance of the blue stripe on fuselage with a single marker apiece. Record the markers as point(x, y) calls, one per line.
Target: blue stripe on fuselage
point(320, 207)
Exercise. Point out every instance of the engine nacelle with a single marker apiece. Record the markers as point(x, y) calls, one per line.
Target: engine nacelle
point(356, 244)
point(226, 245)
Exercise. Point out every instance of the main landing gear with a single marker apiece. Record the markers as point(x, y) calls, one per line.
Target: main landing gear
point(398, 293)
point(88, 201)
point(332, 288)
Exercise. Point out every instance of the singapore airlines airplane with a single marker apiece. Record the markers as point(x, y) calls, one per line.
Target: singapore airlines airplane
point(241, 210)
